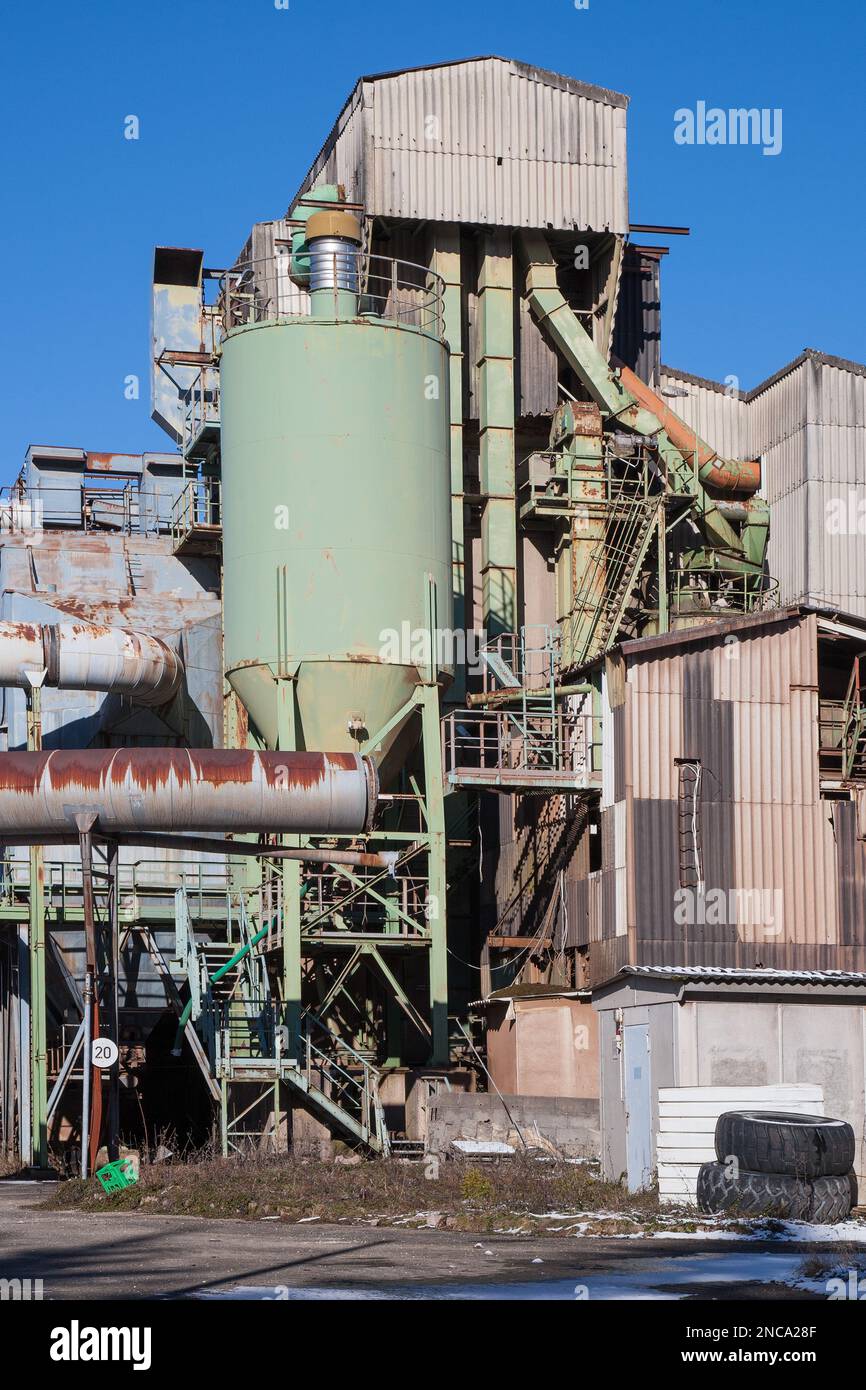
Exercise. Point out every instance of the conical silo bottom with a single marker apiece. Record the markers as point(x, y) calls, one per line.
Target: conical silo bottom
point(338, 704)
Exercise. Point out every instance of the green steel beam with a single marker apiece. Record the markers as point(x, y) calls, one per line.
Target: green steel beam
point(561, 326)
point(38, 1018)
point(399, 992)
point(446, 262)
point(291, 872)
point(437, 882)
point(496, 424)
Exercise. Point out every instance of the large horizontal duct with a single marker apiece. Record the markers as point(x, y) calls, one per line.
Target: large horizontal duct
point(89, 656)
point(146, 790)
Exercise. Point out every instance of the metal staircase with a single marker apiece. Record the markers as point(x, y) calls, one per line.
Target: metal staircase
point(243, 1030)
point(626, 521)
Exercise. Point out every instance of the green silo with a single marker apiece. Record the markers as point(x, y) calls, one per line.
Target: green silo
point(336, 493)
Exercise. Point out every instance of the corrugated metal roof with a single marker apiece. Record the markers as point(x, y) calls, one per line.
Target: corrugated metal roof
point(845, 364)
point(707, 632)
point(486, 140)
point(732, 975)
point(555, 79)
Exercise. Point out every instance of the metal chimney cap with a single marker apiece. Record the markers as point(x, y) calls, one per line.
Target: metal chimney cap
point(334, 224)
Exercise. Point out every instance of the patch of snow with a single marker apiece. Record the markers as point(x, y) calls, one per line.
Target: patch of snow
point(482, 1146)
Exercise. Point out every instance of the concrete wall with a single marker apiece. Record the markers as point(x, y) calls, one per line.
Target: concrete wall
point(732, 1043)
point(568, 1123)
point(543, 1047)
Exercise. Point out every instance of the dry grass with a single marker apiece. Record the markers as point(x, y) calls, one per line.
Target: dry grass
point(519, 1194)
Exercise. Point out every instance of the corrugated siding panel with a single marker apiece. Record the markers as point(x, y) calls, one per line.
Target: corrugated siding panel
point(778, 413)
point(720, 419)
point(538, 365)
point(656, 869)
point(656, 718)
point(637, 329)
point(608, 746)
point(763, 665)
point(749, 712)
point(839, 397)
point(812, 422)
point(775, 750)
point(789, 850)
point(788, 548)
point(607, 958)
point(436, 136)
point(342, 158)
point(577, 906)
point(852, 874)
point(817, 547)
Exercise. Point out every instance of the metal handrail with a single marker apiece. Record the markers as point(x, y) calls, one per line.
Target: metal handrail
point(124, 510)
point(277, 287)
point(364, 1093)
point(63, 880)
point(202, 399)
point(713, 590)
point(492, 741)
point(197, 508)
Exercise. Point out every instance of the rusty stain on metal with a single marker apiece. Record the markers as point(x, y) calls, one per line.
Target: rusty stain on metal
point(152, 789)
point(725, 475)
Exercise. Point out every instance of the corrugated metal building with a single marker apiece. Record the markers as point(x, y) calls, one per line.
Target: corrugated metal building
point(724, 839)
point(485, 140)
point(808, 421)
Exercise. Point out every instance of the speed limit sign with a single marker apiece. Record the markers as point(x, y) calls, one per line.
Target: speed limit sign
point(104, 1053)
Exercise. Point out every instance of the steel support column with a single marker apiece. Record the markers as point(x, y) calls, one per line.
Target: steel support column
point(36, 940)
point(496, 424)
point(445, 261)
point(291, 874)
point(434, 800)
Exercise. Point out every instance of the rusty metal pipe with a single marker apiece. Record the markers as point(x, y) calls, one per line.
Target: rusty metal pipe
point(726, 475)
point(147, 790)
point(90, 656)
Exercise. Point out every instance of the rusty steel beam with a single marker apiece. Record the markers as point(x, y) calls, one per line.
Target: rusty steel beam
point(199, 844)
point(90, 656)
point(148, 790)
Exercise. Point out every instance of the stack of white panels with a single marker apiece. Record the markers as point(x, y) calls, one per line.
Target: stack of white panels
point(687, 1125)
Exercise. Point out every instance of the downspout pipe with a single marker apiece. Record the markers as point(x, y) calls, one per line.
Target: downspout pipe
point(147, 790)
point(90, 656)
point(723, 475)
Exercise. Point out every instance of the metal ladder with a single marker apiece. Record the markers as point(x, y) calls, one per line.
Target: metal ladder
point(617, 559)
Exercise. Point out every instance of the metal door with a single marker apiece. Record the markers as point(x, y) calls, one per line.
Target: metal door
point(638, 1106)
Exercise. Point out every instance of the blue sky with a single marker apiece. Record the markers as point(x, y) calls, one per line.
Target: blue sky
point(234, 98)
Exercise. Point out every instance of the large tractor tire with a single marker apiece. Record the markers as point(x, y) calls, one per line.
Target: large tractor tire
point(801, 1146)
point(752, 1194)
point(831, 1199)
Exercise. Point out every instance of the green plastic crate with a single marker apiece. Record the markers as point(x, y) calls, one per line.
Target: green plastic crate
point(117, 1175)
